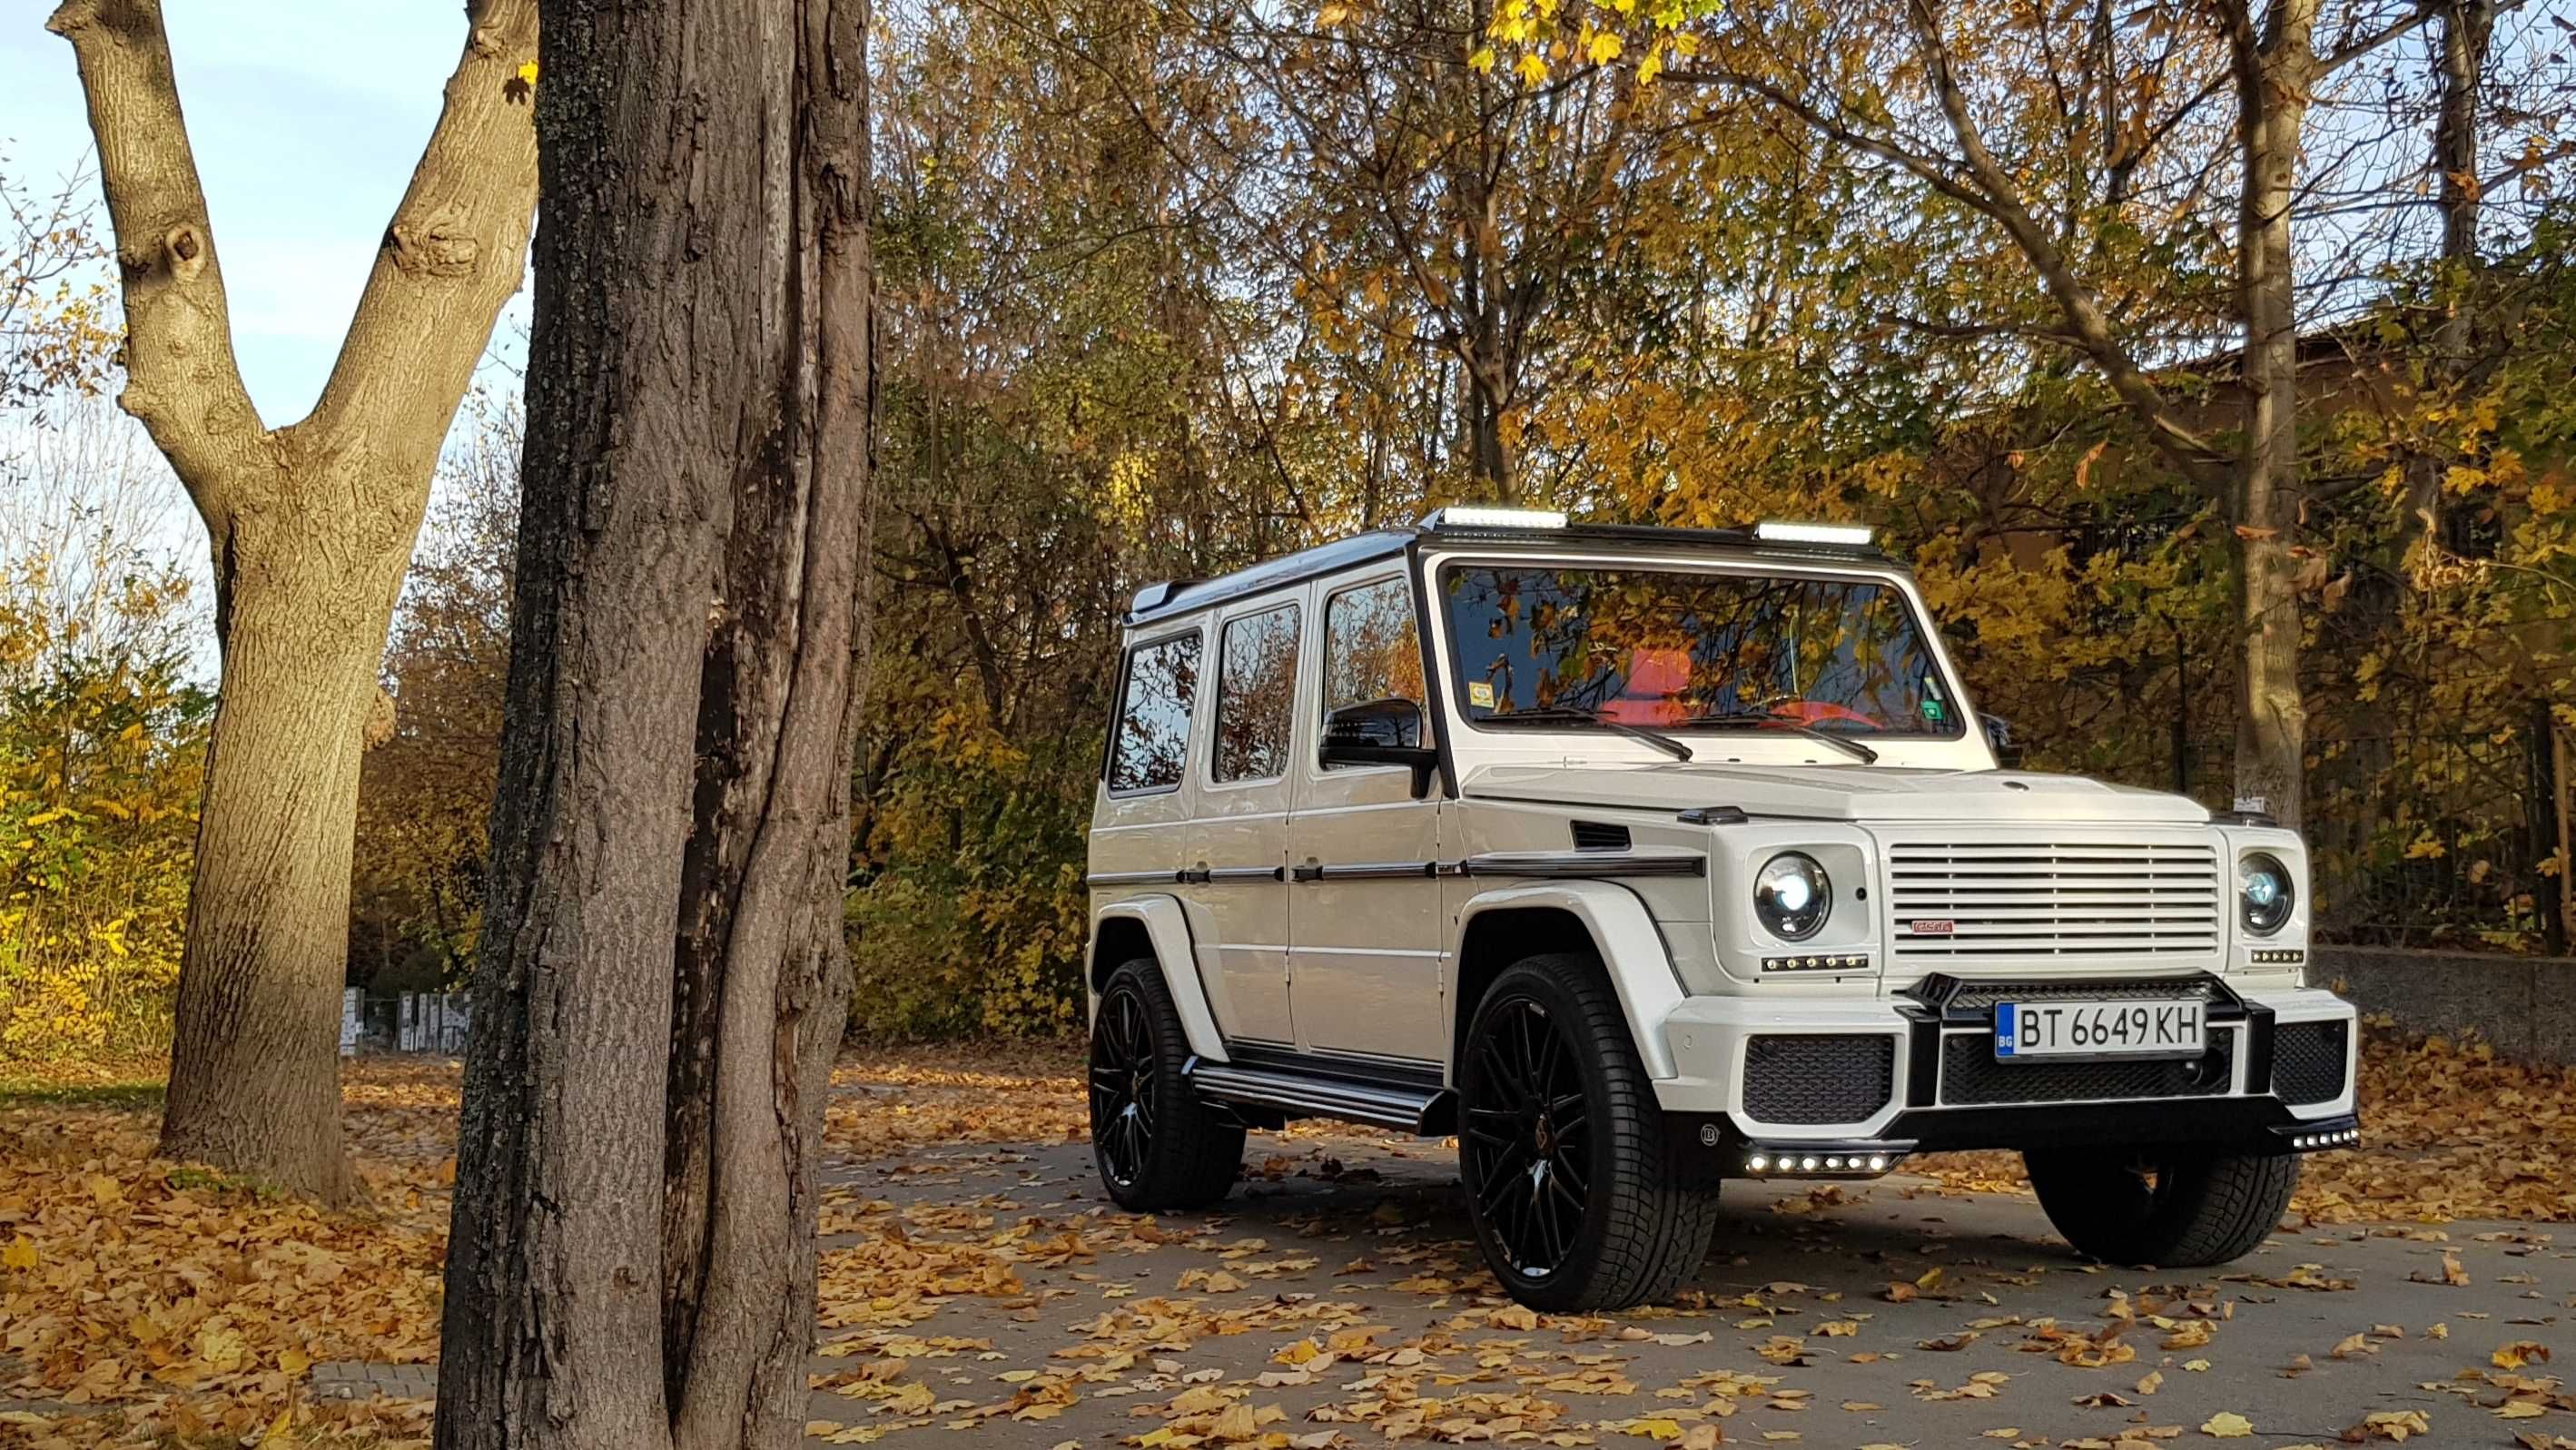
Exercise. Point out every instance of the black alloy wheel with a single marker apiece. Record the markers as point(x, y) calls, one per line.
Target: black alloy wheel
point(1528, 1135)
point(1122, 1086)
point(1159, 1145)
point(1562, 1146)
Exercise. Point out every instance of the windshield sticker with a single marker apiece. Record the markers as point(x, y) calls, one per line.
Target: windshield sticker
point(1480, 694)
point(1932, 710)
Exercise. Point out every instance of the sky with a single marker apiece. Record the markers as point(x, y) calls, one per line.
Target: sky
point(306, 117)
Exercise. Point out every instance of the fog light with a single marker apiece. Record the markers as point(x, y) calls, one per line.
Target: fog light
point(1807, 1163)
point(1757, 1163)
point(1877, 1164)
point(1833, 1163)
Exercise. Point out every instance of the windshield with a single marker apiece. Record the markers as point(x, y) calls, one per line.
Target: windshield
point(1672, 649)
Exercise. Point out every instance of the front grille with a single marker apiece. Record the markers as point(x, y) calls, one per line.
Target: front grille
point(1991, 900)
point(1971, 1075)
point(1982, 996)
point(2307, 1062)
point(1818, 1079)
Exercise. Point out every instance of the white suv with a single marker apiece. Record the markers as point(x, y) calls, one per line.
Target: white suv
point(1639, 859)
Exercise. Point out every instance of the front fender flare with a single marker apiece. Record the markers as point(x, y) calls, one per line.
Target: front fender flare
point(1625, 937)
point(1168, 927)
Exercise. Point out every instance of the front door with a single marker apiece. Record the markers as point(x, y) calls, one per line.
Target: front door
point(1365, 967)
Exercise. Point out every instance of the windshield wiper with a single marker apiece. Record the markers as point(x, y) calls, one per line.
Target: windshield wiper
point(1545, 713)
point(1844, 743)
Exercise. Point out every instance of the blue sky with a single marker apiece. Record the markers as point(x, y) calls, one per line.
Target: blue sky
point(306, 117)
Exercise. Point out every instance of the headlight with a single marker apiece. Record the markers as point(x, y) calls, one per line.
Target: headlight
point(2265, 894)
point(1793, 896)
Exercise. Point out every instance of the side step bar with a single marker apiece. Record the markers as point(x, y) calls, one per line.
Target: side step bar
point(1385, 1105)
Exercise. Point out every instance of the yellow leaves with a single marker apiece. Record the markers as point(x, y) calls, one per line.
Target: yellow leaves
point(19, 1254)
point(1531, 68)
point(527, 73)
point(2519, 1353)
point(2391, 1425)
point(1481, 60)
point(1603, 47)
point(2227, 1425)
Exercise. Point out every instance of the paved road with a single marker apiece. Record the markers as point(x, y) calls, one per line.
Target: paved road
point(1999, 1341)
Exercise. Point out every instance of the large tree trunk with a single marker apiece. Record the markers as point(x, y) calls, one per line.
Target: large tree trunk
point(632, 1258)
point(2275, 67)
point(309, 527)
point(254, 1067)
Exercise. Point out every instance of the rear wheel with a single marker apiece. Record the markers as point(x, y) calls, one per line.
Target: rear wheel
point(1157, 1144)
point(2175, 1208)
point(1561, 1146)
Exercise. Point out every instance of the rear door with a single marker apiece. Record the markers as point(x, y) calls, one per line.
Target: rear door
point(1364, 920)
point(1235, 876)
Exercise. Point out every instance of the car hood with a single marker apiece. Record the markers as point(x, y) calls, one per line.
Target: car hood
point(1837, 793)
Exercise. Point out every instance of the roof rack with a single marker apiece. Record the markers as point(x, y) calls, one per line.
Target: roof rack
point(1493, 524)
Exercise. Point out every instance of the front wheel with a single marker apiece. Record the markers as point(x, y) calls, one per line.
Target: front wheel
point(1561, 1146)
point(2174, 1208)
point(1158, 1144)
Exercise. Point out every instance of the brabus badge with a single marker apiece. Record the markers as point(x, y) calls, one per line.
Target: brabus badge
point(1934, 928)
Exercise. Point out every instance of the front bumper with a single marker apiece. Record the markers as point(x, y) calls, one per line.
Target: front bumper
point(1854, 1081)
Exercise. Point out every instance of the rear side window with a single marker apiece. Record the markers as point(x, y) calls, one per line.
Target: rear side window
point(1256, 685)
point(1370, 649)
point(1152, 742)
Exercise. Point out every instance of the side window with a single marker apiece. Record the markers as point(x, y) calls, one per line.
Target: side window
point(1255, 694)
point(1370, 649)
point(1153, 735)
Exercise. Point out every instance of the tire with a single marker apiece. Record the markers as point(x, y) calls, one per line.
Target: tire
point(1603, 1225)
point(2174, 1208)
point(1156, 1143)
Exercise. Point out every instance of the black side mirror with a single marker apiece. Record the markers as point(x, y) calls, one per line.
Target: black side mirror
point(1999, 738)
point(1380, 732)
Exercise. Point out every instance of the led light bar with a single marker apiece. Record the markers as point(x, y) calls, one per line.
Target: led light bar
point(1490, 516)
point(1821, 962)
point(1822, 1160)
point(2279, 956)
point(2310, 1142)
point(1777, 531)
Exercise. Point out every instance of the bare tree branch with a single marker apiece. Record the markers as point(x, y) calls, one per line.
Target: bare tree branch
point(182, 381)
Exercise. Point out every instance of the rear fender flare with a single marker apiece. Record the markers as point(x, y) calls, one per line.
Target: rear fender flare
point(1168, 928)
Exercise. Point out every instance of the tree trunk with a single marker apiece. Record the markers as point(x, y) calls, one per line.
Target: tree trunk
point(632, 1256)
point(2274, 74)
point(254, 1065)
point(2460, 62)
point(309, 527)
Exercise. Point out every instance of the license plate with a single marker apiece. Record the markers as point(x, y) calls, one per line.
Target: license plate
point(2098, 1029)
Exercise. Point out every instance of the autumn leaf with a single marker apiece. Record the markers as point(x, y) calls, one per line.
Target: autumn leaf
point(2227, 1425)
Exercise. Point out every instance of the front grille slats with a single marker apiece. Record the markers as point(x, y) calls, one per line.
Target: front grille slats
point(2069, 899)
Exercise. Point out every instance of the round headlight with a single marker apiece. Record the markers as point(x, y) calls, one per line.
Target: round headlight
point(1793, 896)
point(2265, 894)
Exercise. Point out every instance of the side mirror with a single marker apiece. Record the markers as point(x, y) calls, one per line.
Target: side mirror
point(1380, 732)
point(1999, 738)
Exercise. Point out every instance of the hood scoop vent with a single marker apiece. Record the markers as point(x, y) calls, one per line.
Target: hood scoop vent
point(1599, 836)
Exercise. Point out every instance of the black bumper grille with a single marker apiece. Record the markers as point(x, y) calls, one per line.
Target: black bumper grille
point(1982, 996)
point(1972, 1076)
point(2307, 1061)
point(1818, 1078)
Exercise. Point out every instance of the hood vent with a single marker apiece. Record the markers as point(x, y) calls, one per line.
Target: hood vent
point(1598, 836)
